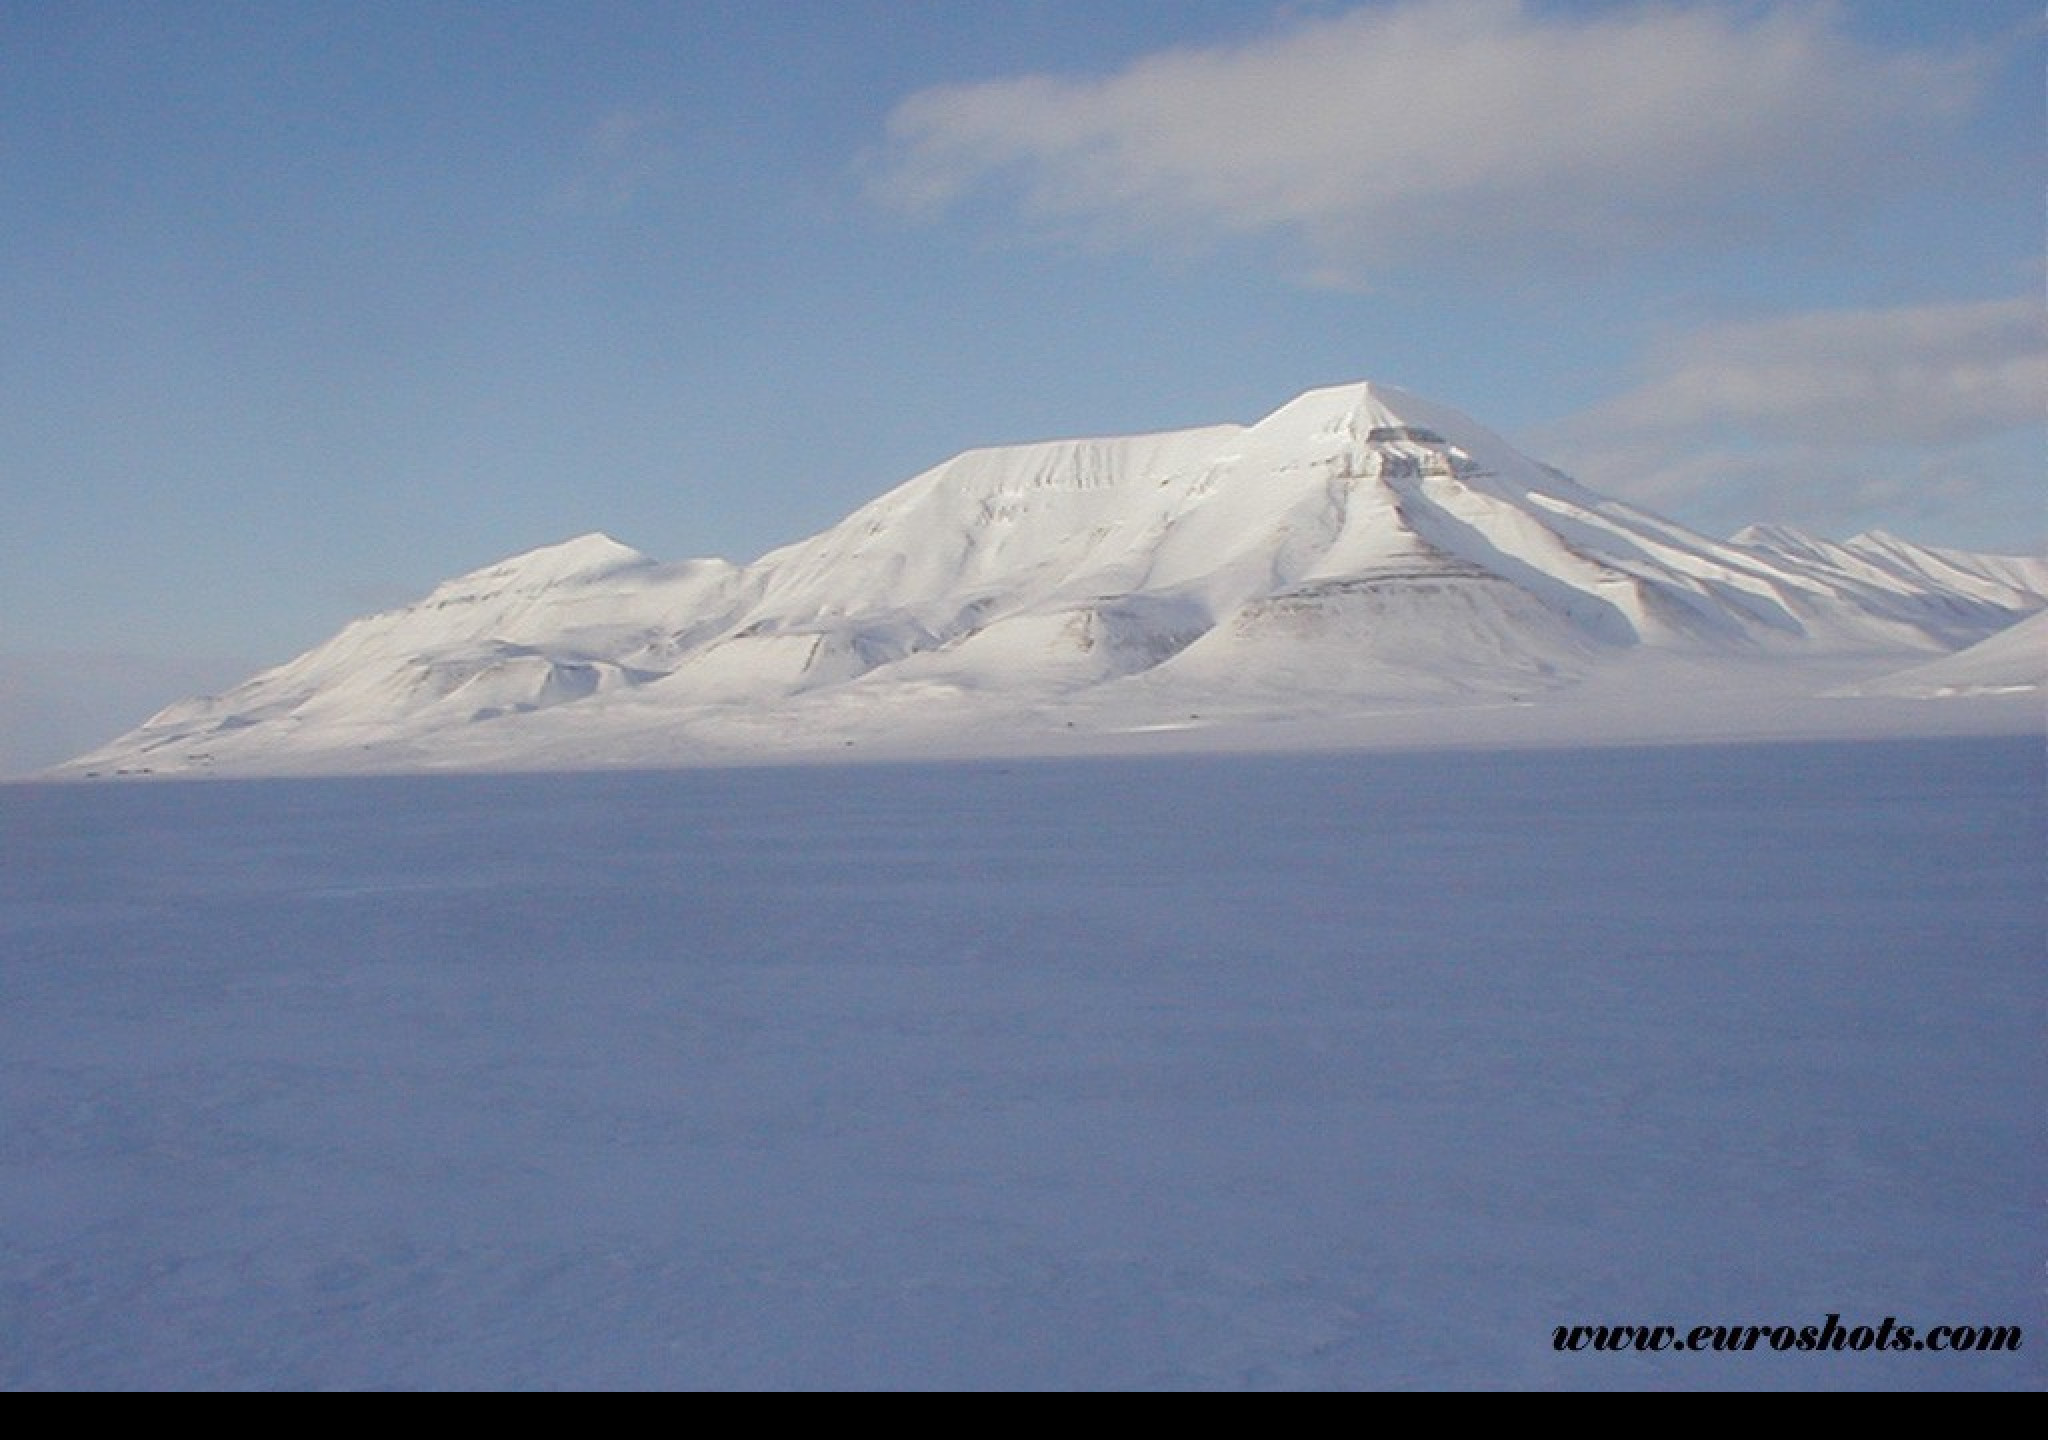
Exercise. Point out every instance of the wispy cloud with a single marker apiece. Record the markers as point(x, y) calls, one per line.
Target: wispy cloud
point(626, 156)
point(1829, 414)
point(1921, 375)
point(1371, 137)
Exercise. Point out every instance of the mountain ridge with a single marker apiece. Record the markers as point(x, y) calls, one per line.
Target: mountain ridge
point(1359, 546)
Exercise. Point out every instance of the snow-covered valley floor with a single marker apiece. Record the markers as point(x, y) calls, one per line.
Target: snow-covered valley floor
point(1363, 1070)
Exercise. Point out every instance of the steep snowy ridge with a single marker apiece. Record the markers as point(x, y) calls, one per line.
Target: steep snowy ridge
point(1952, 593)
point(1358, 547)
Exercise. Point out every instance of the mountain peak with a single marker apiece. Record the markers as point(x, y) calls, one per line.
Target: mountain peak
point(1779, 537)
point(1366, 417)
point(1358, 409)
point(587, 557)
point(596, 546)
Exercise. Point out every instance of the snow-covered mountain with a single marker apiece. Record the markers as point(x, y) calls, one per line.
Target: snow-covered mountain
point(1359, 548)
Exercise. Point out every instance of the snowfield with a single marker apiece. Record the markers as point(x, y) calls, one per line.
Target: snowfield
point(1282, 1071)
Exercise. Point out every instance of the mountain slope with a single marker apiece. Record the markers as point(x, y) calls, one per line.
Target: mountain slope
point(1359, 546)
point(2012, 662)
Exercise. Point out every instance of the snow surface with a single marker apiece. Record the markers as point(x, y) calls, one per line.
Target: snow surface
point(1362, 551)
point(1223, 1072)
point(2012, 662)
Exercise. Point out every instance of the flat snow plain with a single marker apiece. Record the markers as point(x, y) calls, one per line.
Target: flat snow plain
point(1264, 1071)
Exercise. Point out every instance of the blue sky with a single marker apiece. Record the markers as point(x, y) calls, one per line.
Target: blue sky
point(309, 306)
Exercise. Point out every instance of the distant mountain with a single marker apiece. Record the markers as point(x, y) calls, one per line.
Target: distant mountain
point(1359, 548)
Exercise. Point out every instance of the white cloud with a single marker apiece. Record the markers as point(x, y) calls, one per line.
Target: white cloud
point(1372, 136)
point(1825, 417)
point(1921, 375)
